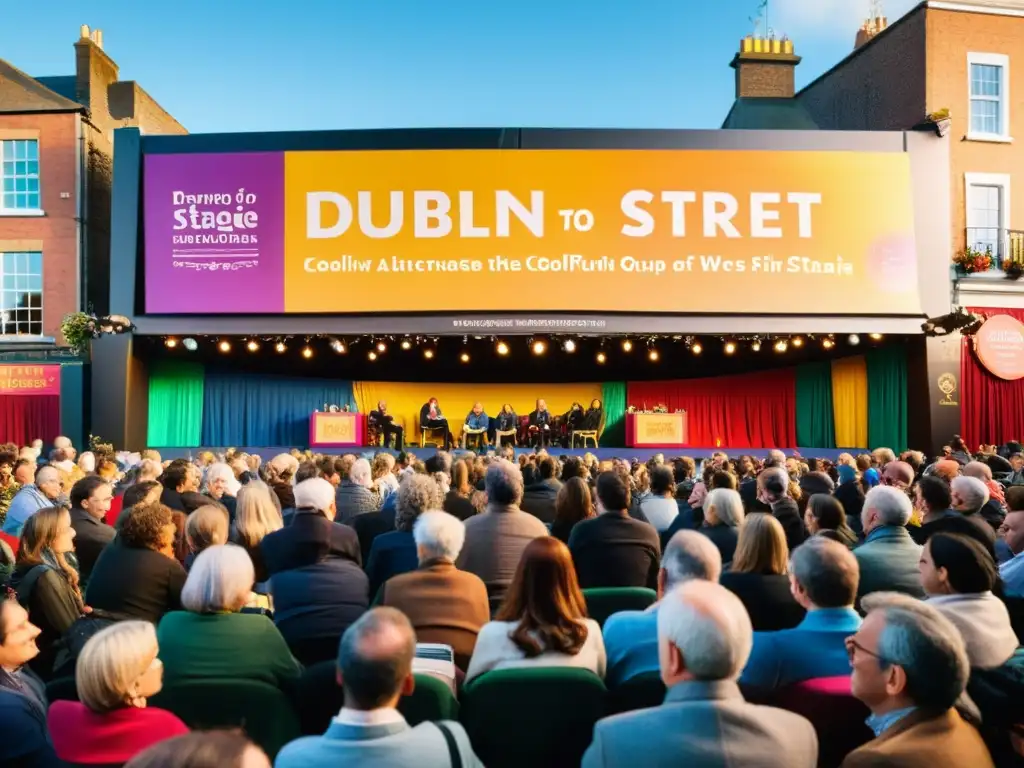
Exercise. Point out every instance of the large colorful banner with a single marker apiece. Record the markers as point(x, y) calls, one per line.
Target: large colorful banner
point(26, 379)
point(667, 231)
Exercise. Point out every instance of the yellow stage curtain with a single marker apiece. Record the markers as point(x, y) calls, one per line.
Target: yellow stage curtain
point(405, 399)
point(850, 402)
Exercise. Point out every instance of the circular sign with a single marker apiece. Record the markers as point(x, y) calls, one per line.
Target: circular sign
point(999, 344)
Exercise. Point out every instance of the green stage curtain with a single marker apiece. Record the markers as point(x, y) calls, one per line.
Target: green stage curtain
point(175, 405)
point(613, 395)
point(815, 421)
point(887, 398)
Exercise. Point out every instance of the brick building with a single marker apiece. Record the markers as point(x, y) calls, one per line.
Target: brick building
point(56, 150)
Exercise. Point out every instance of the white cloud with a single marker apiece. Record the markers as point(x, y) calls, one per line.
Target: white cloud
point(819, 20)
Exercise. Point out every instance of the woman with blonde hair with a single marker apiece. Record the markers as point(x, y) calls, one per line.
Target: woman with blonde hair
point(723, 516)
point(280, 471)
point(383, 474)
point(205, 527)
point(758, 575)
point(256, 517)
point(117, 671)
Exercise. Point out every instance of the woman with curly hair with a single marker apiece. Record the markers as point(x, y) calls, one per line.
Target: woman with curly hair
point(138, 575)
point(8, 485)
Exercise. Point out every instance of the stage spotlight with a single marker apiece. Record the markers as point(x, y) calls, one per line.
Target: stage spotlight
point(307, 352)
point(569, 346)
point(854, 339)
point(798, 342)
point(875, 336)
point(627, 345)
point(382, 347)
point(428, 353)
point(171, 343)
point(730, 347)
point(372, 356)
point(406, 344)
point(190, 344)
point(781, 345)
point(697, 348)
point(339, 346)
point(539, 347)
point(827, 343)
point(224, 346)
point(253, 345)
point(601, 358)
point(464, 357)
point(756, 346)
point(653, 355)
point(280, 347)
point(502, 348)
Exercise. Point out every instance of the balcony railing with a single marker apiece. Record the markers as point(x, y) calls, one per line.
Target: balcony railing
point(1003, 244)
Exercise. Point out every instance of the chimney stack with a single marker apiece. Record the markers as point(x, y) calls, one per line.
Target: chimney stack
point(765, 68)
point(869, 29)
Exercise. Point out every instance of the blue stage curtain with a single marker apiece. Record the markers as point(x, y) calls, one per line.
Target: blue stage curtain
point(259, 410)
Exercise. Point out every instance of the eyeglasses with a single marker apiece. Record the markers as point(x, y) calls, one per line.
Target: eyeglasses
point(852, 646)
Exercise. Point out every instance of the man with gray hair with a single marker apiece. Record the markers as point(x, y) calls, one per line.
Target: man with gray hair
point(631, 637)
point(375, 669)
point(43, 493)
point(704, 638)
point(495, 540)
point(972, 497)
point(823, 576)
point(910, 668)
point(888, 557)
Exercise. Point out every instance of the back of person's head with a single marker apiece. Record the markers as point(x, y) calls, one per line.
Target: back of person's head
point(969, 493)
point(761, 547)
point(978, 469)
point(306, 471)
point(683, 469)
point(547, 468)
point(111, 663)
point(722, 479)
point(202, 749)
point(916, 637)
point(704, 633)
point(1015, 498)
point(361, 473)
point(504, 483)
point(612, 492)
point(935, 493)
point(573, 502)
point(826, 572)
point(816, 483)
point(962, 564)
point(891, 505)
point(219, 581)
point(662, 481)
point(416, 495)
point(375, 658)
point(689, 555)
point(724, 505)
point(438, 535)
point(148, 526)
point(775, 481)
point(134, 494)
point(206, 527)
point(316, 494)
point(175, 474)
point(546, 601)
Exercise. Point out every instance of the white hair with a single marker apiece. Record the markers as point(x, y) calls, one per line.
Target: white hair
point(439, 534)
point(149, 470)
point(690, 555)
point(315, 493)
point(225, 473)
point(709, 626)
point(727, 504)
point(61, 442)
point(892, 505)
point(361, 473)
point(87, 461)
point(221, 579)
point(971, 490)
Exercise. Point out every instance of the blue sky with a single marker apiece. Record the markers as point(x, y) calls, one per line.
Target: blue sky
point(244, 65)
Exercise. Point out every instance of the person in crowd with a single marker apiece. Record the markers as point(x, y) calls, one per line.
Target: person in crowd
point(395, 552)
point(543, 620)
point(203, 749)
point(9, 485)
point(221, 486)
point(773, 494)
point(723, 518)
point(704, 638)
point(44, 493)
point(631, 637)
point(317, 584)
point(933, 499)
point(758, 574)
point(811, 484)
point(280, 476)
point(539, 427)
point(971, 499)
point(205, 527)
point(354, 496)
point(958, 575)
point(823, 579)
point(539, 498)
point(506, 421)
point(593, 419)
point(118, 670)
point(375, 669)
point(1011, 571)
point(898, 475)
point(613, 549)
point(660, 506)
point(139, 494)
point(850, 494)
point(139, 576)
point(910, 668)
point(573, 504)
point(45, 583)
point(90, 502)
point(825, 516)
point(457, 500)
point(496, 538)
point(256, 516)
point(992, 510)
point(211, 638)
point(24, 739)
point(382, 471)
point(385, 424)
point(432, 418)
point(444, 604)
point(477, 423)
point(888, 557)
point(180, 476)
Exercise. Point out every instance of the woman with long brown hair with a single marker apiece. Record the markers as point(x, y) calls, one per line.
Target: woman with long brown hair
point(572, 504)
point(457, 500)
point(543, 620)
point(46, 585)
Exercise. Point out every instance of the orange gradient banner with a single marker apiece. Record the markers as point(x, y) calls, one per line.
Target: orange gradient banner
point(667, 231)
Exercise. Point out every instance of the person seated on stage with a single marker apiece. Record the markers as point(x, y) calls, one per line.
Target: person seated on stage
point(431, 417)
point(592, 418)
point(477, 422)
point(385, 422)
point(506, 420)
point(540, 424)
point(574, 419)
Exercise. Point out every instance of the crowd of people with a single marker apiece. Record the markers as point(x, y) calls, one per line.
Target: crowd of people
point(125, 574)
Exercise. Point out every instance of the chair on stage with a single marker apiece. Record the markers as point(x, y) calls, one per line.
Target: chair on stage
point(586, 434)
point(476, 438)
point(430, 434)
point(500, 434)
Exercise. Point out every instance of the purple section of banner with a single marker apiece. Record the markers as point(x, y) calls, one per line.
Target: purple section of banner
point(214, 233)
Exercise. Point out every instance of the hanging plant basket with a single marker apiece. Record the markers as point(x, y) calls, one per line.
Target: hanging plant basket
point(78, 329)
point(1013, 270)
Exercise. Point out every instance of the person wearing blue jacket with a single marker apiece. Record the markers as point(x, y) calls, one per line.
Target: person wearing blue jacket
point(477, 423)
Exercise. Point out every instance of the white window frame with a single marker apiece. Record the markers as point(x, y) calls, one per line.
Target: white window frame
point(992, 60)
point(23, 211)
point(42, 275)
point(1001, 180)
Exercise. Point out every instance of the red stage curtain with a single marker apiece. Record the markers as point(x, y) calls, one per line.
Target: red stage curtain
point(991, 409)
point(23, 418)
point(749, 411)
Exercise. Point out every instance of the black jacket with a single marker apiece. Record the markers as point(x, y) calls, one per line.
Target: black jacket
point(851, 496)
point(91, 537)
point(613, 550)
point(52, 606)
point(458, 505)
point(24, 738)
point(137, 583)
point(951, 521)
point(767, 599)
point(539, 500)
point(724, 538)
point(540, 418)
point(787, 512)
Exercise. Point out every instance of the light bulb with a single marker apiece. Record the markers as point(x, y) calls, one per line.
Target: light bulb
point(601, 358)
point(224, 346)
point(428, 353)
point(280, 347)
point(372, 356)
point(730, 347)
point(627, 345)
point(253, 345)
point(171, 343)
point(653, 355)
point(502, 348)
point(697, 348)
point(569, 346)
point(307, 352)
point(540, 347)
point(464, 357)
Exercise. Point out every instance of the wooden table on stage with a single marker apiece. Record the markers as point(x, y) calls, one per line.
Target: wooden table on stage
point(656, 430)
point(337, 430)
